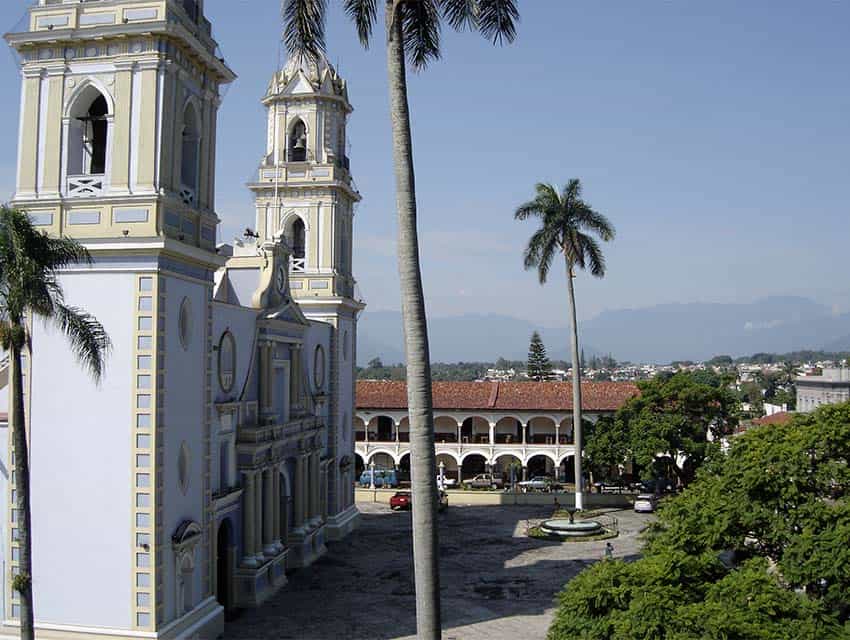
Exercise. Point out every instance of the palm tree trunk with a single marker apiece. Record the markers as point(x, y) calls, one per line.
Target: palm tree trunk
point(423, 467)
point(576, 388)
point(22, 487)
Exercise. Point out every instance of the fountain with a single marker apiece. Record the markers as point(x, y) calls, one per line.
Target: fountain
point(570, 528)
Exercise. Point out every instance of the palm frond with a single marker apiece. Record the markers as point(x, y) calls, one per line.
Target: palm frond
point(64, 251)
point(88, 338)
point(593, 257)
point(529, 209)
point(364, 14)
point(596, 222)
point(420, 27)
point(541, 249)
point(497, 20)
point(461, 14)
point(304, 27)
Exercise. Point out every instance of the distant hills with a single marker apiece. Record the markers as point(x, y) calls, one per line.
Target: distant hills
point(663, 333)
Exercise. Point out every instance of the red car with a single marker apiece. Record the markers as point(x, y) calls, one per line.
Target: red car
point(404, 500)
point(401, 500)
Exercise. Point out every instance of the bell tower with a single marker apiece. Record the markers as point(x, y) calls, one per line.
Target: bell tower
point(305, 194)
point(117, 145)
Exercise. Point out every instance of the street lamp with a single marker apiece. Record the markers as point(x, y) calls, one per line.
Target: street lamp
point(442, 475)
point(372, 474)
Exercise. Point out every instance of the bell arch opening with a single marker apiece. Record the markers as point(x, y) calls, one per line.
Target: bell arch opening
point(296, 147)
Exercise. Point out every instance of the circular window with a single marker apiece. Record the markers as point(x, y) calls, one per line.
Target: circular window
point(226, 361)
point(185, 323)
point(346, 346)
point(183, 467)
point(319, 367)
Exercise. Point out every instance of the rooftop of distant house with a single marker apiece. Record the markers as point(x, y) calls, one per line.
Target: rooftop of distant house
point(499, 396)
point(783, 417)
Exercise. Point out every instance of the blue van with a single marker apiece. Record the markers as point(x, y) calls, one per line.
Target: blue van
point(387, 478)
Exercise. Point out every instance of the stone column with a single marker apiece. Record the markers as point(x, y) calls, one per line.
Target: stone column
point(524, 432)
point(258, 515)
point(492, 433)
point(269, 547)
point(524, 473)
point(276, 508)
point(297, 494)
point(248, 521)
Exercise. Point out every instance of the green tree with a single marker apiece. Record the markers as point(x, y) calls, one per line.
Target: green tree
point(538, 366)
point(412, 32)
point(30, 262)
point(568, 225)
point(675, 424)
point(756, 548)
point(376, 363)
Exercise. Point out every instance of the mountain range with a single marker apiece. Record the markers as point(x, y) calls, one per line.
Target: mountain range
point(662, 333)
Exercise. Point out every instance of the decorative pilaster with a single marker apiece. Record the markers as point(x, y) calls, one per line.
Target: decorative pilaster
point(269, 547)
point(249, 559)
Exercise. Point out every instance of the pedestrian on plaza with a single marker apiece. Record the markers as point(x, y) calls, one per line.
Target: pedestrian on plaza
point(609, 551)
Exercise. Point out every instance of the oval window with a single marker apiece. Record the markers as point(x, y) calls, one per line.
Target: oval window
point(226, 361)
point(319, 367)
point(185, 323)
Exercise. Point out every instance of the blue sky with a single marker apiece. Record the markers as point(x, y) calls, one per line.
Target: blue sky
point(714, 135)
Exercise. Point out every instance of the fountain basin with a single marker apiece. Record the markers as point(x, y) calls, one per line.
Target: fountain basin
point(564, 528)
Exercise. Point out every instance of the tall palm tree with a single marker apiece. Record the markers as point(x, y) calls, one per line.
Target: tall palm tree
point(412, 35)
point(30, 262)
point(567, 227)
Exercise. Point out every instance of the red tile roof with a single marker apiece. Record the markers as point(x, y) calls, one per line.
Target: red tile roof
point(499, 396)
point(783, 417)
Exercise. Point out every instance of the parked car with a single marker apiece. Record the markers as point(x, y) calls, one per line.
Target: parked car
point(401, 500)
point(537, 483)
point(387, 478)
point(484, 481)
point(645, 503)
point(448, 483)
point(404, 500)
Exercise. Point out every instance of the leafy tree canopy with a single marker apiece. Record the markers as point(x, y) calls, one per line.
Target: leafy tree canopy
point(755, 549)
point(673, 427)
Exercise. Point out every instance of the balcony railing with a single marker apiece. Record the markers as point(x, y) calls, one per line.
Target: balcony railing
point(298, 265)
point(85, 185)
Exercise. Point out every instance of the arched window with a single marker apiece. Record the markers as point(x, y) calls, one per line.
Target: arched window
point(88, 130)
point(296, 148)
point(296, 236)
point(190, 145)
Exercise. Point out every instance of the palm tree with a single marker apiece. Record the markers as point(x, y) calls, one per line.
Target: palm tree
point(30, 262)
point(412, 35)
point(568, 224)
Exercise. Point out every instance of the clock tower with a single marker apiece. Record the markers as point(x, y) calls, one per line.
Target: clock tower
point(304, 195)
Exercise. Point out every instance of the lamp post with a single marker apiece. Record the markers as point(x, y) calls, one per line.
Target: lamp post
point(372, 475)
point(442, 475)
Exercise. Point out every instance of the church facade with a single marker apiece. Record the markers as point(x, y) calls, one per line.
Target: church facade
point(217, 452)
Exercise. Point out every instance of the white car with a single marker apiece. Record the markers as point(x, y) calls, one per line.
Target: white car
point(537, 483)
point(645, 503)
point(447, 483)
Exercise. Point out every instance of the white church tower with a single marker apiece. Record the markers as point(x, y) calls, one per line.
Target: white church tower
point(117, 149)
point(305, 193)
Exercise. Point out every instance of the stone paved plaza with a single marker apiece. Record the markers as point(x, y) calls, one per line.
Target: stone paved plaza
point(496, 583)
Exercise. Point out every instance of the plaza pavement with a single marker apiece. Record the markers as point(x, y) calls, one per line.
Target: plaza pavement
point(496, 582)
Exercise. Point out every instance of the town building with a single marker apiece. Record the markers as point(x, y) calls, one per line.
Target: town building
point(830, 386)
point(483, 426)
point(217, 453)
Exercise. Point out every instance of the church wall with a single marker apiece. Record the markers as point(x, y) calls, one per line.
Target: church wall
point(243, 283)
point(183, 424)
point(81, 445)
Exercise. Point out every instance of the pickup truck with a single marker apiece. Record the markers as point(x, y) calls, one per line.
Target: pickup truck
point(537, 483)
point(484, 481)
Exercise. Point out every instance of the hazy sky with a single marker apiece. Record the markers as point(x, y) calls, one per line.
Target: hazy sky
point(715, 135)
